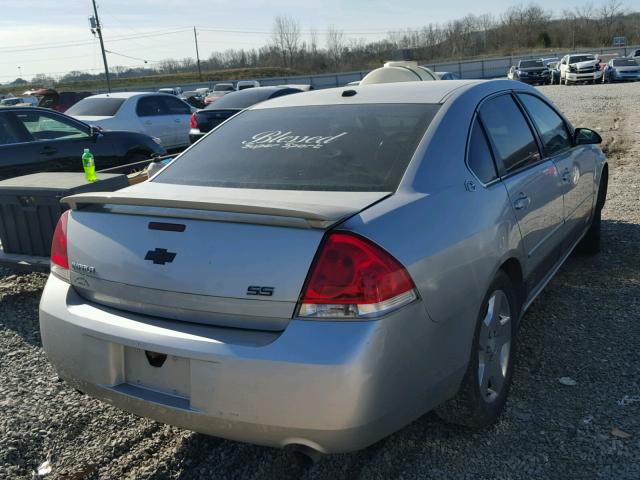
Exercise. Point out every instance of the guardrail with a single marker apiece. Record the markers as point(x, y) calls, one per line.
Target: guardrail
point(471, 68)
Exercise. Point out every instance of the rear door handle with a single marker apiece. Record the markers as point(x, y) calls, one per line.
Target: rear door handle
point(522, 202)
point(48, 151)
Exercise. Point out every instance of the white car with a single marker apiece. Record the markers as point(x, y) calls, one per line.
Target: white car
point(580, 67)
point(20, 101)
point(243, 84)
point(160, 115)
point(401, 71)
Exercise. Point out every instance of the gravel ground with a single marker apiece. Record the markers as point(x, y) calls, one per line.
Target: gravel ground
point(585, 326)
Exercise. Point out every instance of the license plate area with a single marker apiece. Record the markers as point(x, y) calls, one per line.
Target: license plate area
point(171, 376)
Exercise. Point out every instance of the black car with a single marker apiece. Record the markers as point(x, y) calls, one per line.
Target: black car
point(36, 139)
point(225, 107)
point(530, 71)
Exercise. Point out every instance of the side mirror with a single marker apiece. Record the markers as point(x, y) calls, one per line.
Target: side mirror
point(586, 136)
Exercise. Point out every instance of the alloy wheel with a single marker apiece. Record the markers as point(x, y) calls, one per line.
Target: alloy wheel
point(494, 346)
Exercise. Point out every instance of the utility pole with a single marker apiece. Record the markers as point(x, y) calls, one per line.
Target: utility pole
point(195, 35)
point(97, 27)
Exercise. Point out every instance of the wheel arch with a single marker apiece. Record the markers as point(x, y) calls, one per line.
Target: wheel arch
point(513, 269)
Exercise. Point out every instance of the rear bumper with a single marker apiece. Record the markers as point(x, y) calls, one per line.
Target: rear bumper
point(535, 79)
point(333, 386)
point(195, 135)
point(624, 77)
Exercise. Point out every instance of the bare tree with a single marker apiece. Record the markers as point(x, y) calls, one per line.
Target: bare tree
point(610, 14)
point(335, 46)
point(286, 37)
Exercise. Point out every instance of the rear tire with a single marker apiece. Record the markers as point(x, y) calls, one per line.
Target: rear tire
point(485, 386)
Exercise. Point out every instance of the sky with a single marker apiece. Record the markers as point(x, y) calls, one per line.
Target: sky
point(53, 37)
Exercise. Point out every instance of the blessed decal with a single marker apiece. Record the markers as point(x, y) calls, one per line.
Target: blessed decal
point(288, 140)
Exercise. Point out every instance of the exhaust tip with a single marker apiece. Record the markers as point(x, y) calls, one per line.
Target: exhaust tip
point(304, 454)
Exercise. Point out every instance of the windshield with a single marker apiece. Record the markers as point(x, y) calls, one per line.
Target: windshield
point(96, 107)
point(223, 87)
point(327, 147)
point(581, 58)
point(531, 63)
point(625, 62)
point(11, 101)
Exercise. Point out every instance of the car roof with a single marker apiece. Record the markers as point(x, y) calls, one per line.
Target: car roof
point(399, 92)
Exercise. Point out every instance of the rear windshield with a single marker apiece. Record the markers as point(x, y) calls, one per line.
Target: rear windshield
point(223, 87)
point(625, 62)
point(531, 63)
point(96, 107)
point(327, 147)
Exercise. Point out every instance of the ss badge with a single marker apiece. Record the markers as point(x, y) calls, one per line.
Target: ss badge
point(263, 291)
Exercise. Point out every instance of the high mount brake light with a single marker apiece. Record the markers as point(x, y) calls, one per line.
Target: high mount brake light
point(59, 257)
point(353, 277)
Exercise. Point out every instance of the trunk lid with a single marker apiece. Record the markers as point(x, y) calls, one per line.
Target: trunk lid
point(229, 257)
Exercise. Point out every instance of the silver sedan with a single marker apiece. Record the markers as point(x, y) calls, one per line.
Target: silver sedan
point(324, 268)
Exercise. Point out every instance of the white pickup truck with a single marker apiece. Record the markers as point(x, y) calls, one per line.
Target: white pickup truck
point(582, 67)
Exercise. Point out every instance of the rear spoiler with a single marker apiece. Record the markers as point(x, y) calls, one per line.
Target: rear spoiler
point(282, 213)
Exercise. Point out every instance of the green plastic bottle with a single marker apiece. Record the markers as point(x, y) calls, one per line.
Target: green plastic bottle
point(89, 165)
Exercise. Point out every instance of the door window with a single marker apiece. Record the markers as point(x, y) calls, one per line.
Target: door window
point(151, 106)
point(551, 127)
point(45, 126)
point(176, 107)
point(9, 132)
point(479, 155)
point(513, 142)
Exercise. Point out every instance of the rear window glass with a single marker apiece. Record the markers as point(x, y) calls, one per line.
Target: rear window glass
point(327, 147)
point(223, 87)
point(96, 107)
point(625, 62)
point(241, 100)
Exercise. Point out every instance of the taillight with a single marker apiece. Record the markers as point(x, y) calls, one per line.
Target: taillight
point(59, 258)
point(194, 122)
point(353, 277)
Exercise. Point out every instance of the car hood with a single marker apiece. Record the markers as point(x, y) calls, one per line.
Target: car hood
point(630, 68)
point(588, 63)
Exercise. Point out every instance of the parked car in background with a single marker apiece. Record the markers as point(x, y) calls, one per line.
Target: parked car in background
point(59, 101)
point(244, 84)
point(533, 72)
point(547, 61)
point(219, 90)
point(37, 139)
point(193, 99)
point(159, 115)
point(403, 71)
point(621, 70)
point(203, 92)
point(21, 101)
point(323, 269)
point(581, 67)
point(171, 90)
point(554, 73)
point(447, 76)
point(214, 114)
point(635, 54)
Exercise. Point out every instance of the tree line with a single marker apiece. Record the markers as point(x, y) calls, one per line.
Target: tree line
point(518, 29)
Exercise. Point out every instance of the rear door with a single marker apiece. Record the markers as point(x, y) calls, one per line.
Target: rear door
point(153, 115)
point(577, 165)
point(17, 153)
point(180, 114)
point(533, 184)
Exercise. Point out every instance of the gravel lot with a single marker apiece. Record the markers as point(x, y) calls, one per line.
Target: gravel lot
point(585, 326)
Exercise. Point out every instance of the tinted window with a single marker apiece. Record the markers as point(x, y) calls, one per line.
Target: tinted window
point(176, 107)
point(223, 87)
point(507, 128)
point(327, 147)
point(551, 128)
point(9, 132)
point(150, 106)
point(43, 126)
point(96, 107)
point(479, 155)
point(242, 99)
